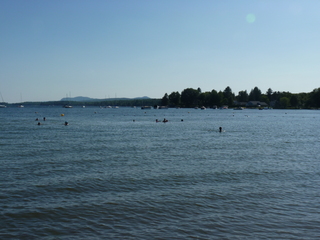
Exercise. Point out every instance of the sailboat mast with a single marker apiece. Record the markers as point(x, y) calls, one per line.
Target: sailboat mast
point(1, 97)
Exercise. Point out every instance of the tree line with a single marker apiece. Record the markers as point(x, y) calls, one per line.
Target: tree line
point(190, 97)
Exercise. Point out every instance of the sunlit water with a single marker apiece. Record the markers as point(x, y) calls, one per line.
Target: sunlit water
point(117, 174)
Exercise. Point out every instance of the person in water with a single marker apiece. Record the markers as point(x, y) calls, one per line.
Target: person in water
point(44, 118)
point(220, 129)
point(39, 123)
point(66, 123)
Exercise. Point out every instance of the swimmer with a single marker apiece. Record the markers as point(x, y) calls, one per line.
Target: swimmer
point(39, 123)
point(220, 129)
point(44, 118)
point(66, 123)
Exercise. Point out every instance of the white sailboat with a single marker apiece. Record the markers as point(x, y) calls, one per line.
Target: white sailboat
point(2, 105)
point(20, 106)
point(67, 105)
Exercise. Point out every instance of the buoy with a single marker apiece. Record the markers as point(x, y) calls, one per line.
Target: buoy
point(62, 115)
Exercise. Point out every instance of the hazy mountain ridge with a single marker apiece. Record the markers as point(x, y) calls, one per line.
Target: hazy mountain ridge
point(88, 99)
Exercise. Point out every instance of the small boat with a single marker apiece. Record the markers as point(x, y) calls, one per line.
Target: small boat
point(146, 107)
point(67, 106)
point(20, 106)
point(163, 107)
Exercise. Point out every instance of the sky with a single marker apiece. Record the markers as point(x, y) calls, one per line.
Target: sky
point(133, 48)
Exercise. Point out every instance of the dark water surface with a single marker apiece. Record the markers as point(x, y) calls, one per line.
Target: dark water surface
point(106, 176)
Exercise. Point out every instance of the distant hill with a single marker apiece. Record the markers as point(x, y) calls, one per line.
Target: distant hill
point(87, 99)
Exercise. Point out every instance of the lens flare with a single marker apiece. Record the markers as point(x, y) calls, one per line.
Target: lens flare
point(251, 18)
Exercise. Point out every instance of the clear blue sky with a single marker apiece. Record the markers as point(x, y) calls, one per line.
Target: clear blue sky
point(135, 48)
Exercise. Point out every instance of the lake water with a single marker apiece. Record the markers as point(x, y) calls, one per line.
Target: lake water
point(117, 174)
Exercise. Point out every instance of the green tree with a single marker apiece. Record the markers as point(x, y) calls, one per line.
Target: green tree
point(228, 96)
point(315, 98)
point(275, 96)
point(215, 98)
point(255, 94)
point(264, 98)
point(243, 96)
point(284, 102)
point(294, 101)
point(189, 97)
point(223, 100)
point(174, 98)
point(303, 99)
point(165, 100)
point(204, 99)
point(269, 94)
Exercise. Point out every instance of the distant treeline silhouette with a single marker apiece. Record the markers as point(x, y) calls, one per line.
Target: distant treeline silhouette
point(190, 97)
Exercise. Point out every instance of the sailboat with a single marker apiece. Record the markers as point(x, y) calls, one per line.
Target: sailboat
point(67, 105)
point(20, 106)
point(2, 105)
